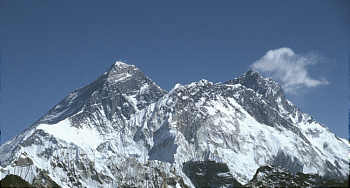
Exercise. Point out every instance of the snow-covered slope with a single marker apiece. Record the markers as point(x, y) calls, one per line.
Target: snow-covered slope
point(123, 129)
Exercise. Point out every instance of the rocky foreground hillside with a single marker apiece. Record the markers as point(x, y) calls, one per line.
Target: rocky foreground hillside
point(211, 174)
point(123, 130)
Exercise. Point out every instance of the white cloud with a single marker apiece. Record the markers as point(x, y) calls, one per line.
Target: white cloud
point(289, 68)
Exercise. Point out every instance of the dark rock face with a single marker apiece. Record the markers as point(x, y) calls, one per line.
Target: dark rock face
point(209, 174)
point(269, 176)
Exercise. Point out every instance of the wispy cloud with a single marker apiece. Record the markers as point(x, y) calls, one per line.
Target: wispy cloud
point(289, 68)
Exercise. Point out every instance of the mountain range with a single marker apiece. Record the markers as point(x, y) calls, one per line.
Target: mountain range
point(123, 130)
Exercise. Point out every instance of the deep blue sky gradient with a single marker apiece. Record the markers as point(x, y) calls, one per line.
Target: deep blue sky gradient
point(50, 48)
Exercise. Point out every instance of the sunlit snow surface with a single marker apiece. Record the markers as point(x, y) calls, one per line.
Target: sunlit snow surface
point(113, 137)
point(83, 137)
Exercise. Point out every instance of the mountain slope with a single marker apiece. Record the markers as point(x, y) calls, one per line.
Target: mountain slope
point(123, 129)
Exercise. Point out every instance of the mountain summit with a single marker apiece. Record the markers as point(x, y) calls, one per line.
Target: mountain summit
point(124, 130)
point(122, 90)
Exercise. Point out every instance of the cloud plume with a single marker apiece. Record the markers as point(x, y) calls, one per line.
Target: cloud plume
point(289, 68)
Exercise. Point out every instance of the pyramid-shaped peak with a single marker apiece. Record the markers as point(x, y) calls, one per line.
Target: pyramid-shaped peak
point(121, 71)
point(120, 79)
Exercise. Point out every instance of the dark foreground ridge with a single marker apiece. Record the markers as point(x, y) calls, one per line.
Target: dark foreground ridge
point(268, 176)
point(211, 174)
point(14, 181)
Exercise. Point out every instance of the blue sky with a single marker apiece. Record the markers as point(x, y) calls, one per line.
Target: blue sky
point(51, 48)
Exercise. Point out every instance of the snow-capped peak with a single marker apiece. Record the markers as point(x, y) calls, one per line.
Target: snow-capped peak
point(125, 83)
point(121, 64)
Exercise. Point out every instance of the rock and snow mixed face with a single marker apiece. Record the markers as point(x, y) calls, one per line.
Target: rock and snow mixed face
point(123, 129)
